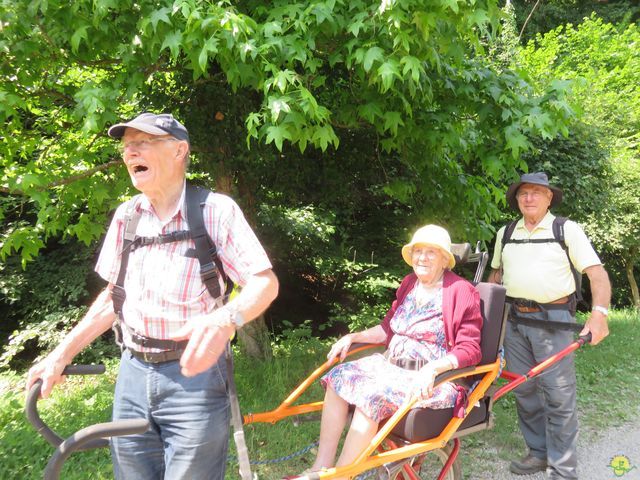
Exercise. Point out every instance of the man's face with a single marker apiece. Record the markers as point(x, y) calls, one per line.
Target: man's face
point(153, 162)
point(534, 201)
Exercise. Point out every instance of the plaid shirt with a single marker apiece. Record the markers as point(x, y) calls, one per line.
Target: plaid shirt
point(163, 286)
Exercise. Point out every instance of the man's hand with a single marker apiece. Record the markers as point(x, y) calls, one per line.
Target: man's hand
point(597, 325)
point(49, 370)
point(600, 295)
point(208, 337)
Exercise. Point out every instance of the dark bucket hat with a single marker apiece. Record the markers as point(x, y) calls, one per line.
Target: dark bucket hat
point(153, 124)
point(537, 178)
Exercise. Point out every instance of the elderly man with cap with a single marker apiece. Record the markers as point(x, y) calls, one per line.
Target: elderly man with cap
point(531, 261)
point(173, 331)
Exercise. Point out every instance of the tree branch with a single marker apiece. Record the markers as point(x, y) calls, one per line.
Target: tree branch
point(527, 20)
point(68, 180)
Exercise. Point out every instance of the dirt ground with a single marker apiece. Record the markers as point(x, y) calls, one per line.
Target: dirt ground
point(612, 454)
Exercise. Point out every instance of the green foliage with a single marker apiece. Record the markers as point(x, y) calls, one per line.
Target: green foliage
point(551, 14)
point(80, 402)
point(603, 62)
point(407, 73)
point(608, 382)
point(367, 300)
point(43, 302)
point(360, 118)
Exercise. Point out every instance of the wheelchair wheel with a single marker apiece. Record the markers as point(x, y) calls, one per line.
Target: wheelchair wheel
point(429, 465)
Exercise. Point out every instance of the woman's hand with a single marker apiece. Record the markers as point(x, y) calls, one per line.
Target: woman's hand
point(340, 348)
point(425, 378)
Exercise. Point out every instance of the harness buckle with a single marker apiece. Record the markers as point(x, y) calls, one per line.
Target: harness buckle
point(209, 272)
point(117, 332)
point(525, 302)
point(118, 295)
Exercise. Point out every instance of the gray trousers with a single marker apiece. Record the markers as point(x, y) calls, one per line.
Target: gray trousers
point(546, 404)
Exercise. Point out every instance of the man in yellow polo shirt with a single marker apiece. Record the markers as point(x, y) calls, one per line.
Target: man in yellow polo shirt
point(541, 290)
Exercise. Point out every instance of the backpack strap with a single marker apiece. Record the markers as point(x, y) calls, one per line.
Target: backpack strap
point(131, 219)
point(205, 249)
point(558, 237)
point(558, 234)
point(506, 235)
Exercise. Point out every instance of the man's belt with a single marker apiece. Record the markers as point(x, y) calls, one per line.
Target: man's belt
point(158, 343)
point(157, 357)
point(524, 305)
point(171, 350)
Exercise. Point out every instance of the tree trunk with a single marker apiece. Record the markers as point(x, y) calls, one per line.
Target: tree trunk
point(635, 296)
point(254, 336)
point(254, 339)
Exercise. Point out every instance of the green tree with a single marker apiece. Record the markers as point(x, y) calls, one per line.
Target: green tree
point(365, 118)
point(407, 73)
point(539, 17)
point(603, 62)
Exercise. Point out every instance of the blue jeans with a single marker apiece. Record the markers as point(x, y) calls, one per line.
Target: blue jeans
point(189, 422)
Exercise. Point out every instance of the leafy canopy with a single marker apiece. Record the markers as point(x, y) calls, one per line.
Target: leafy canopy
point(410, 75)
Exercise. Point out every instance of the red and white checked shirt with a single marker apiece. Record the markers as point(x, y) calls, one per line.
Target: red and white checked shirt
point(163, 286)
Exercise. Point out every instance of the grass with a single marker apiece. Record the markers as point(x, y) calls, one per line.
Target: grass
point(608, 382)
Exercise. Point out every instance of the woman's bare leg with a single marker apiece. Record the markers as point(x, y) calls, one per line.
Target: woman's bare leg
point(362, 430)
point(334, 418)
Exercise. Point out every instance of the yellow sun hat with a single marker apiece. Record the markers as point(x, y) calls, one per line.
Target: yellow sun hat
point(433, 236)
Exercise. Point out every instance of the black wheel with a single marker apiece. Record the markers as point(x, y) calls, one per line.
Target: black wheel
point(429, 465)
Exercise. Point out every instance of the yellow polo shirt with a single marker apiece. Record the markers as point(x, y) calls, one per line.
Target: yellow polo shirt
point(540, 271)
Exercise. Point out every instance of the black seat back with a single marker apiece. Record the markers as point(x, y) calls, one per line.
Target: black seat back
point(423, 423)
point(492, 302)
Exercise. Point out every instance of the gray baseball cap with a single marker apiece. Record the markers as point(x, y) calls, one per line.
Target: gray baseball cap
point(154, 124)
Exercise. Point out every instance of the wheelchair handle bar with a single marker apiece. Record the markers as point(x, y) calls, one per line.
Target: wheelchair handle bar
point(94, 436)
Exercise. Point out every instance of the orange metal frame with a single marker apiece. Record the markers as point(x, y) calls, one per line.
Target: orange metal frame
point(369, 459)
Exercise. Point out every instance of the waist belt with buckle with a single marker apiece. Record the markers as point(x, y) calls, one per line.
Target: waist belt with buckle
point(531, 306)
point(172, 350)
point(157, 357)
point(523, 305)
point(406, 363)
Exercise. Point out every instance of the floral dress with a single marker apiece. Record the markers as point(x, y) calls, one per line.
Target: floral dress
point(378, 387)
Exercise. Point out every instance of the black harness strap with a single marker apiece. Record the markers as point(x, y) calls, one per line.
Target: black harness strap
point(160, 239)
point(205, 251)
point(132, 217)
point(516, 317)
point(558, 237)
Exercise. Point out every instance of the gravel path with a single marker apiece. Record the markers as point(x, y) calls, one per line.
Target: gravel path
point(598, 453)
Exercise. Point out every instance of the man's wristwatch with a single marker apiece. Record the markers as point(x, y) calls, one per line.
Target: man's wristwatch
point(234, 317)
point(238, 319)
point(601, 309)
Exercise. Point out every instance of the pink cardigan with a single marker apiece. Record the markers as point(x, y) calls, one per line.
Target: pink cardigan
point(460, 312)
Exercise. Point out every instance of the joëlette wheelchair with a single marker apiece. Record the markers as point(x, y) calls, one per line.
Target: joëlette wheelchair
point(403, 444)
point(400, 448)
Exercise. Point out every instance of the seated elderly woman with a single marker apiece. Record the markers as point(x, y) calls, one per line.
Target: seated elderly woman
point(433, 326)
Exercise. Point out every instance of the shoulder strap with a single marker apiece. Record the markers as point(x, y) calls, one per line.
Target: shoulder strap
point(131, 219)
point(558, 237)
point(558, 234)
point(210, 264)
point(508, 231)
point(558, 231)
